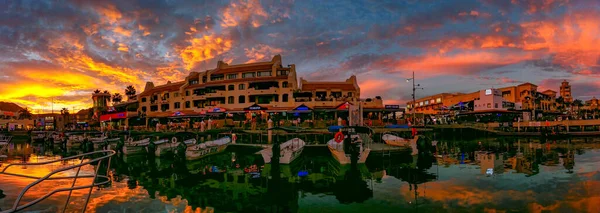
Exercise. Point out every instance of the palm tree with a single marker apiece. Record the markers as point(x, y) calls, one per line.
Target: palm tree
point(25, 113)
point(65, 114)
point(96, 91)
point(577, 103)
point(116, 98)
point(560, 103)
point(130, 92)
point(106, 91)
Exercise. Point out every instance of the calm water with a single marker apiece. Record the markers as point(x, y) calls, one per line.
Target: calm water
point(497, 176)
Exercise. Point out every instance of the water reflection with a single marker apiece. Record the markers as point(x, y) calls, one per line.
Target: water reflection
point(494, 175)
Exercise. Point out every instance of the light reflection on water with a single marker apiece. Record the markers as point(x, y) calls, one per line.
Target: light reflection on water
point(524, 177)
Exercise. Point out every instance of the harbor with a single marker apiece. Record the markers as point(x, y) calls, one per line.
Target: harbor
point(239, 176)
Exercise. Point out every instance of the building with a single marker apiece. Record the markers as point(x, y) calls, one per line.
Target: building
point(9, 110)
point(524, 95)
point(592, 104)
point(491, 99)
point(263, 86)
point(565, 92)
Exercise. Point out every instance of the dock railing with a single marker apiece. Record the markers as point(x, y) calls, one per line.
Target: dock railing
point(107, 155)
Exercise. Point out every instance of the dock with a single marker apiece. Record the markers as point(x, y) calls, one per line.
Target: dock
point(375, 147)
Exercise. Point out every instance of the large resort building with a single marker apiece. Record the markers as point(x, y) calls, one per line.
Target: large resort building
point(267, 87)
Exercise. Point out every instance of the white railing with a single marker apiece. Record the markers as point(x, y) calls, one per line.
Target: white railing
point(107, 154)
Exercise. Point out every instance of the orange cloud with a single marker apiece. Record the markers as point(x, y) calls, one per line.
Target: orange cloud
point(261, 52)
point(203, 48)
point(250, 11)
point(123, 47)
point(122, 31)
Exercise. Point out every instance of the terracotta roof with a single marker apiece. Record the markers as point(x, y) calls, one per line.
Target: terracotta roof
point(327, 85)
point(527, 83)
point(252, 80)
point(262, 66)
point(162, 88)
point(549, 90)
point(10, 107)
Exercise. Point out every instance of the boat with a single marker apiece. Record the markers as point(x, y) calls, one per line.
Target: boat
point(394, 140)
point(352, 141)
point(135, 143)
point(201, 150)
point(4, 144)
point(75, 139)
point(167, 143)
point(289, 151)
point(40, 136)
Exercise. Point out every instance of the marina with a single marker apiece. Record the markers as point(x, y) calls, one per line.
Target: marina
point(238, 174)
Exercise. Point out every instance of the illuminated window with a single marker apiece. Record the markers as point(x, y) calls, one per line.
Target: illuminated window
point(426, 102)
point(438, 100)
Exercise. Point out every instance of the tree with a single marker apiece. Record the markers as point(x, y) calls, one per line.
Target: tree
point(116, 98)
point(96, 91)
point(577, 104)
point(106, 91)
point(25, 113)
point(130, 92)
point(65, 114)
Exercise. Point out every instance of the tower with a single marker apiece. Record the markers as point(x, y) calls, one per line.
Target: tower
point(101, 100)
point(565, 91)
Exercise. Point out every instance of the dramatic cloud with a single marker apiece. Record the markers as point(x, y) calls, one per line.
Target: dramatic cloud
point(59, 52)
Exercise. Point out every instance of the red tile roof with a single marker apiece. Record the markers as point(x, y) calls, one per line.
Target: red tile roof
point(162, 88)
point(10, 107)
point(328, 85)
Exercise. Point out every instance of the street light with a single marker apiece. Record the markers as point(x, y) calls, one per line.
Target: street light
point(414, 88)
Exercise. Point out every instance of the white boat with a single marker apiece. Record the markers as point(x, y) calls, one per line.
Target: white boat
point(337, 150)
point(289, 151)
point(39, 136)
point(394, 140)
point(198, 151)
point(164, 147)
point(4, 144)
point(135, 147)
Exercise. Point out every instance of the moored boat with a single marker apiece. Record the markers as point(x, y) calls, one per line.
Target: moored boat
point(167, 143)
point(394, 140)
point(289, 151)
point(349, 140)
point(201, 150)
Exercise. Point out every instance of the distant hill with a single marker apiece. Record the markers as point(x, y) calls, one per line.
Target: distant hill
point(10, 107)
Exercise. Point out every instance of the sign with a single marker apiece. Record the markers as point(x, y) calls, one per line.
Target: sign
point(302, 108)
point(255, 107)
point(392, 106)
point(108, 117)
point(178, 113)
point(216, 109)
point(488, 92)
point(348, 130)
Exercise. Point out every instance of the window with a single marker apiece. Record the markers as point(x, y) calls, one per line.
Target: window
point(349, 94)
point(176, 94)
point(241, 86)
point(187, 93)
point(284, 84)
point(489, 105)
point(421, 103)
point(249, 75)
point(143, 99)
point(232, 76)
point(282, 72)
point(166, 96)
point(217, 77)
point(164, 107)
point(495, 105)
point(187, 104)
point(438, 100)
point(241, 99)
point(230, 100)
point(426, 102)
point(154, 108)
point(177, 105)
point(231, 87)
point(144, 109)
point(285, 98)
point(432, 101)
point(192, 82)
point(264, 73)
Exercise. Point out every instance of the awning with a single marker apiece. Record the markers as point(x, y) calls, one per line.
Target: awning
point(113, 116)
point(255, 107)
point(178, 113)
point(8, 113)
point(302, 109)
point(217, 110)
point(344, 106)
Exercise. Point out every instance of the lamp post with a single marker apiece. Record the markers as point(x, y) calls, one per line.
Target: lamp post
point(414, 88)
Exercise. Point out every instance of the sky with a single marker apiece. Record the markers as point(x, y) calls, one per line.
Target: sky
point(60, 51)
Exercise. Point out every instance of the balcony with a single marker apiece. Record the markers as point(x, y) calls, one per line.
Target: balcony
point(270, 90)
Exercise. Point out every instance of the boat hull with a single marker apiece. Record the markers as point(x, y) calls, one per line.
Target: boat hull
point(343, 158)
point(200, 153)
